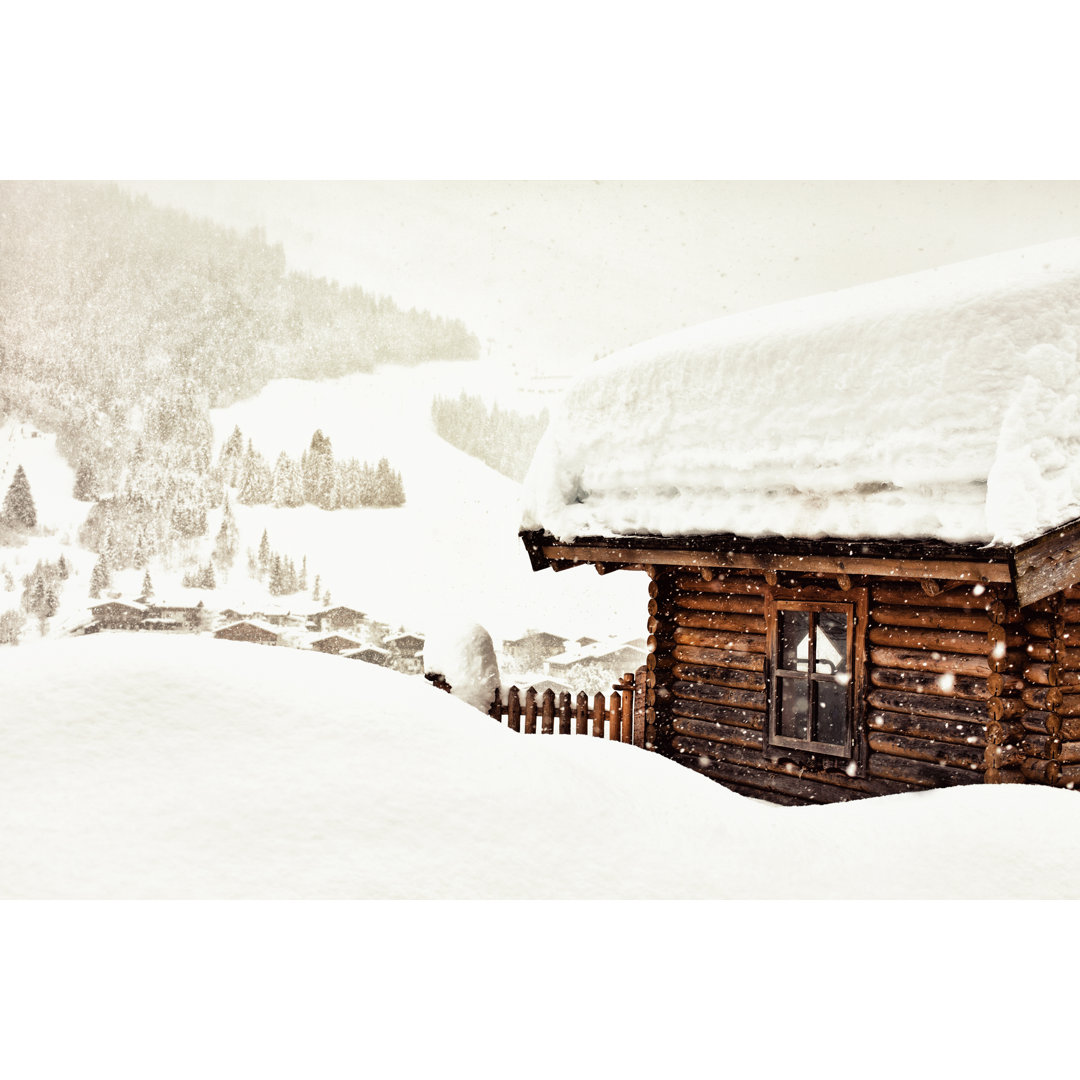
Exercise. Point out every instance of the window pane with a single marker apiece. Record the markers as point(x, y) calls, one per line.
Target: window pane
point(830, 642)
point(794, 640)
point(794, 708)
point(831, 721)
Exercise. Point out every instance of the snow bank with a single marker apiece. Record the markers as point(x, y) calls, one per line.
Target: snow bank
point(941, 404)
point(138, 766)
point(463, 654)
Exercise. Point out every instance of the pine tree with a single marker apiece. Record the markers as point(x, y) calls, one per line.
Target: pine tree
point(301, 585)
point(147, 586)
point(62, 568)
point(19, 503)
point(11, 624)
point(52, 602)
point(264, 551)
point(99, 578)
point(315, 589)
point(86, 487)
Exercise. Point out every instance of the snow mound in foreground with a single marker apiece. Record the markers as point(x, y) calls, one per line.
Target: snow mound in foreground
point(139, 766)
point(940, 404)
point(464, 655)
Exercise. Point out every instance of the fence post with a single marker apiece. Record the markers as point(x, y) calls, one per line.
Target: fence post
point(547, 713)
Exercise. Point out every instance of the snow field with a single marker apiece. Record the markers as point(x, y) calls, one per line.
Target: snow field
point(137, 766)
point(452, 550)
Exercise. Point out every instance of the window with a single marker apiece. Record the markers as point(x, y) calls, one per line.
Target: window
point(812, 691)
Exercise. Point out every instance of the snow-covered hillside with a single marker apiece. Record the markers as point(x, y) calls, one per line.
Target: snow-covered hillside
point(137, 766)
point(453, 548)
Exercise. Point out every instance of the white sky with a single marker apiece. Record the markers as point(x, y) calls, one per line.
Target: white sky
point(553, 272)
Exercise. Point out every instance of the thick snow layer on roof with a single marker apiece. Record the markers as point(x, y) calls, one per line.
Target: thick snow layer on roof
point(941, 404)
point(142, 765)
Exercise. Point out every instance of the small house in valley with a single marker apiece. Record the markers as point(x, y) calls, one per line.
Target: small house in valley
point(533, 647)
point(370, 654)
point(335, 618)
point(335, 643)
point(253, 630)
point(858, 519)
point(118, 615)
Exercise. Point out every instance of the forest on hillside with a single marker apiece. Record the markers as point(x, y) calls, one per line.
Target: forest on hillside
point(501, 438)
point(123, 323)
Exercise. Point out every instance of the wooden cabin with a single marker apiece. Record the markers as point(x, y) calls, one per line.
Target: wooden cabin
point(859, 522)
point(825, 671)
point(252, 630)
point(118, 615)
point(335, 643)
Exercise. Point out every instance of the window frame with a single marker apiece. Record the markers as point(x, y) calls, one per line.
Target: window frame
point(812, 598)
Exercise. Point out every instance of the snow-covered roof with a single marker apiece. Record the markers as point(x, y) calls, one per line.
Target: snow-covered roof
point(943, 404)
point(257, 623)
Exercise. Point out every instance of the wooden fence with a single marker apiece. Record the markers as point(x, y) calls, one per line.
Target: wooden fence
point(619, 717)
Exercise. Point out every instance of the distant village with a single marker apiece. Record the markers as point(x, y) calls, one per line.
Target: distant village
point(536, 658)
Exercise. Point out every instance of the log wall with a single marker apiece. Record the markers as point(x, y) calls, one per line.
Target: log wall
point(1050, 719)
point(945, 698)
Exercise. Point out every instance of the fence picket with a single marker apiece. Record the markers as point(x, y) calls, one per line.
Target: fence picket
point(530, 711)
point(581, 713)
point(513, 709)
point(547, 713)
point(598, 715)
point(564, 713)
point(615, 716)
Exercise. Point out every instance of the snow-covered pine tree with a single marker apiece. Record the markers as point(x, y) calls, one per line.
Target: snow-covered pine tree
point(62, 568)
point(11, 624)
point(264, 551)
point(19, 509)
point(315, 589)
point(86, 486)
point(301, 585)
point(99, 578)
point(147, 586)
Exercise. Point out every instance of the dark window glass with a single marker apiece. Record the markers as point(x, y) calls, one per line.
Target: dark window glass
point(832, 713)
point(794, 640)
point(794, 708)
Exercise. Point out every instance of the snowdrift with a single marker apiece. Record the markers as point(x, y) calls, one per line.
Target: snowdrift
point(135, 766)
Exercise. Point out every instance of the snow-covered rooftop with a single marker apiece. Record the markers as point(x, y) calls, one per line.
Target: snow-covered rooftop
point(943, 404)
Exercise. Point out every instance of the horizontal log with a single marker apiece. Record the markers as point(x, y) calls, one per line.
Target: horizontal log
point(1000, 732)
point(1040, 772)
point(721, 695)
point(730, 585)
point(1045, 651)
point(721, 658)
point(969, 733)
point(912, 593)
point(722, 733)
point(1069, 752)
point(921, 773)
point(1052, 698)
point(944, 684)
point(1002, 758)
point(936, 640)
point(719, 714)
point(715, 676)
point(722, 620)
point(1069, 776)
point(748, 604)
point(924, 705)
point(720, 752)
point(931, 618)
point(768, 783)
point(953, 754)
point(922, 660)
point(1047, 723)
point(716, 639)
point(1050, 675)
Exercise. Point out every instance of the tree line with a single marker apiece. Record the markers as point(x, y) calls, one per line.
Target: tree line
point(314, 478)
point(501, 438)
